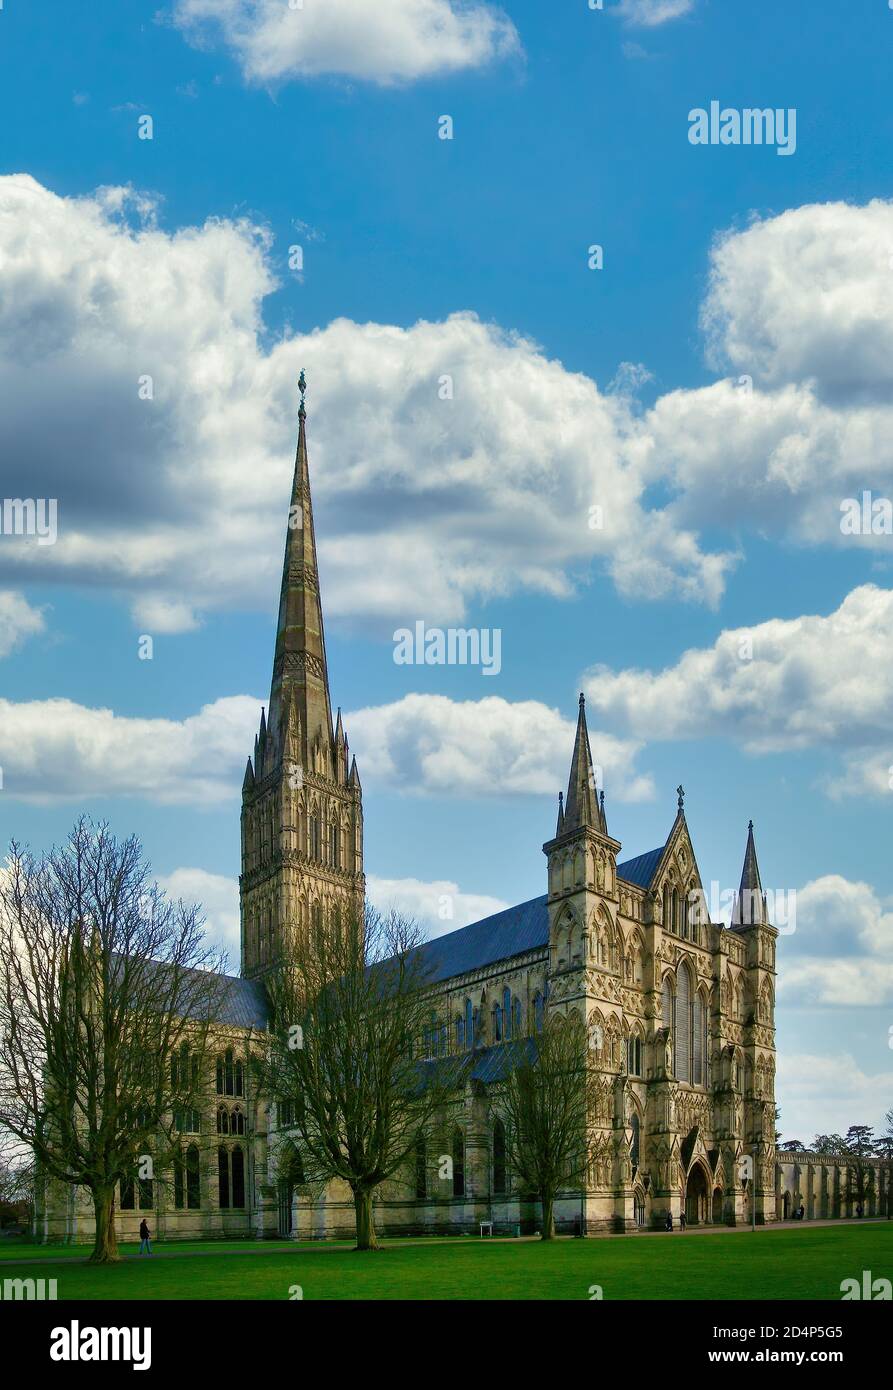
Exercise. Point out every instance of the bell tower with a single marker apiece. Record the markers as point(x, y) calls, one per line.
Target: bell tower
point(302, 809)
point(582, 900)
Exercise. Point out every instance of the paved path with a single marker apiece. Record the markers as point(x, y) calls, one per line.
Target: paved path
point(282, 1247)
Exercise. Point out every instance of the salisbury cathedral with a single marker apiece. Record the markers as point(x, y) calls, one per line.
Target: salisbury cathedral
point(680, 1011)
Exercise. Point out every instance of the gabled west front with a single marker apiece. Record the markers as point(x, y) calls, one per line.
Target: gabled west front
point(679, 1010)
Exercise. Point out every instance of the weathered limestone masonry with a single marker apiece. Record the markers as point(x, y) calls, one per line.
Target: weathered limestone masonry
point(680, 1010)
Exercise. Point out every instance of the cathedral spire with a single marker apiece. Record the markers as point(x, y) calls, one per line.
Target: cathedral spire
point(299, 664)
point(750, 902)
point(581, 807)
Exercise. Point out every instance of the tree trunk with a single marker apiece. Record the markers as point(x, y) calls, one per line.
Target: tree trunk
point(366, 1237)
point(548, 1218)
point(105, 1248)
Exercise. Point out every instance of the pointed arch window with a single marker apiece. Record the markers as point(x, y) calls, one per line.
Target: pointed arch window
point(499, 1183)
point(335, 846)
point(507, 1012)
point(238, 1172)
point(458, 1163)
point(193, 1180)
point(497, 1023)
point(698, 1041)
point(516, 1019)
point(470, 1024)
point(539, 1011)
point(683, 1026)
point(314, 836)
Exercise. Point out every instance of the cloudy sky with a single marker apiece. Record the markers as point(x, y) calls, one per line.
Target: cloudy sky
point(635, 471)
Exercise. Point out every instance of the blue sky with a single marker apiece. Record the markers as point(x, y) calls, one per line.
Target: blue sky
point(749, 295)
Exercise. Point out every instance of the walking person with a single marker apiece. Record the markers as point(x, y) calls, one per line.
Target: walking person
point(800, 1212)
point(145, 1237)
point(669, 1221)
point(682, 1221)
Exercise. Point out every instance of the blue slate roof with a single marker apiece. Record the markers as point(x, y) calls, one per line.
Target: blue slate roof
point(487, 1065)
point(641, 870)
point(244, 1004)
point(508, 933)
point(514, 930)
point(241, 1003)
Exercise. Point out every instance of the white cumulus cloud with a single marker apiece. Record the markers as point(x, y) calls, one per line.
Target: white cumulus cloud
point(778, 685)
point(57, 750)
point(430, 744)
point(18, 620)
point(650, 13)
point(841, 953)
point(383, 42)
point(218, 897)
point(439, 906)
point(825, 1094)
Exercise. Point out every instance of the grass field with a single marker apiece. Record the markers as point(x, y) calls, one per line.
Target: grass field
point(770, 1264)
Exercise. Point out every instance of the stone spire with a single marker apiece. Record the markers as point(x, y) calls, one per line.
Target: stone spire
point(300, 676)
point(581, 807)
point(750, 902)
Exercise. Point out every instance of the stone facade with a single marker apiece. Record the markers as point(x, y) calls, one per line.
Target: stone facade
point(680, 1010)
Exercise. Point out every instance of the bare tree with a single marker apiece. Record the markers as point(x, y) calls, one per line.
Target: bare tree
point(348, 1006)
point(107, 995)
point(545, 1102)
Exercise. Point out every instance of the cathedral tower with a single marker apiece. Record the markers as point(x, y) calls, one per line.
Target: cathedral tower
point(750, 920)
point(302, 812)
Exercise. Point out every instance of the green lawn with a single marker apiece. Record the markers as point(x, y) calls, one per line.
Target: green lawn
point(787, 1263)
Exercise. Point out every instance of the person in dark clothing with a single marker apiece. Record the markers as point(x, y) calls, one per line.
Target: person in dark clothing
point(859, 1209)
point(145, 1235)
point(682, 1221)
point(669, 1222)
point(800, 1212)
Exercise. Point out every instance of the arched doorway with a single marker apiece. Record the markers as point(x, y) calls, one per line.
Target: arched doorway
point(290, 1181)
point(696, 1197)
point(786, 1206)
point(717, 1206)
point(286, 1193)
